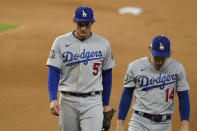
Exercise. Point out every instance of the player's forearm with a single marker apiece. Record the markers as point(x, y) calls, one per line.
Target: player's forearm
point(107, 85)
point(184, 105)
point(53, 80)
point(125, 103)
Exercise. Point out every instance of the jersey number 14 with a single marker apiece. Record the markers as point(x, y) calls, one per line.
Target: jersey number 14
point(169, 96)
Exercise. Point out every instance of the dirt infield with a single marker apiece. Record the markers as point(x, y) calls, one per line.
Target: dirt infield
point(24, 51)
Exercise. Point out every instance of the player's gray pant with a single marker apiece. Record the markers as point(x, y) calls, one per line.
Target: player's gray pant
point(81, 114)
point(139, 123)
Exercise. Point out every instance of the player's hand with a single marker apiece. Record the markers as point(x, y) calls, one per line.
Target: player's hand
point(184, 126)
point(120, 126)
point(106, 108)
point(54, 107)
point(108, 113)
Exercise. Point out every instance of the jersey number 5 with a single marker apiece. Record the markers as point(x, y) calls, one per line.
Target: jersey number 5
point(171, 96)
point(95, 68)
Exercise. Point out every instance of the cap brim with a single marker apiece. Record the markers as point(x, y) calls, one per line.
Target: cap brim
point(160, 53)
point(84, 20)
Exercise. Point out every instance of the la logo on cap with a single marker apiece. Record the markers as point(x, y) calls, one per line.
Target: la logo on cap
point(161, 47)
point(84, 14)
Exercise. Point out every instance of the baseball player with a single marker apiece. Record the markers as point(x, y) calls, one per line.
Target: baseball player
point(154, 81)
point(80, 67)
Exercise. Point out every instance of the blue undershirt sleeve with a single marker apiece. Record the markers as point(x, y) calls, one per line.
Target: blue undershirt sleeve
point(107, 85)
point(53, 81)
point(125, 102)
point(184, 105)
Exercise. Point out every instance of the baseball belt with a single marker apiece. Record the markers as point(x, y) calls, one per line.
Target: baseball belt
point(81, 94)
point(155, 118)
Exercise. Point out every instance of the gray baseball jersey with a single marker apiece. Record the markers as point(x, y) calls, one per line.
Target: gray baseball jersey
point(155, 90)
point(81, 62)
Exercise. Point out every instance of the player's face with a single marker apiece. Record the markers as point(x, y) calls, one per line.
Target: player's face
point(158, 62)
point(83, 30)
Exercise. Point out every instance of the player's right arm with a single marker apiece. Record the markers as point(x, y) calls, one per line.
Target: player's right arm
point(124, 106)
point(126, 98)
point(54, 64)
point(53, 80)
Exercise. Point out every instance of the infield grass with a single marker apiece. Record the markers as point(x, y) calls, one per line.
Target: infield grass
point(5, 26)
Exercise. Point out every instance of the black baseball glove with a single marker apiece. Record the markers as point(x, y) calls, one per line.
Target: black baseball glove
point(107, 119)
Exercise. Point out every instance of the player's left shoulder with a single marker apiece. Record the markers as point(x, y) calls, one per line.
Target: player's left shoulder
point(174, 62)
point(99, 38)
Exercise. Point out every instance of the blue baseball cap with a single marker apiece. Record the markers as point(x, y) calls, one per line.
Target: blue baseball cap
point(84, 13)
point(160, 46)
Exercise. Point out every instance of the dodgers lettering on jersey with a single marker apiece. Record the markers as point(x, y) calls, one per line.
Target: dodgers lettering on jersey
point(155, 90)
point(161, 81)
point(83, 57)
point(81, 62)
